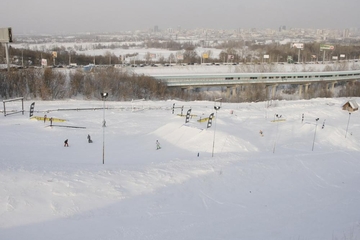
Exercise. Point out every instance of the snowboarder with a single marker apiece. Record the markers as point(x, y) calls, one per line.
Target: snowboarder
point(66, 144)
point(157, 145)
point(89, 138)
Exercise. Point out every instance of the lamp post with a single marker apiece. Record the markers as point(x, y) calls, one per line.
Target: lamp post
point(277, 128)
point(216, 109)
point(348, 124)
point(104, 96)
point(317, 119)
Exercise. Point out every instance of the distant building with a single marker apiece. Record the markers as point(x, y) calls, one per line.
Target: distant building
point(282, 28)
point(346, 33)
point(156, 28)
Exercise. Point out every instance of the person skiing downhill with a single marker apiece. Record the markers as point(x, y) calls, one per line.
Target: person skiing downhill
point(89, 138)
point(157, 145)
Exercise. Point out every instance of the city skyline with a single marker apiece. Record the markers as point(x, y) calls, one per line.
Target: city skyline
point(112, 16)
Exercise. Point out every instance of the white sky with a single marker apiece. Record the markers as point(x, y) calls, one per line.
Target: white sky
point(67, 16)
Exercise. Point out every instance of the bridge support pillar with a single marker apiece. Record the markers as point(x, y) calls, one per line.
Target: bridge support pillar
point(267, 92)
point(300, 90)
point(331, 86)
point(228, 92)
point(273, 90)
point(306, 86)
point(351, 83)
point(234, 90)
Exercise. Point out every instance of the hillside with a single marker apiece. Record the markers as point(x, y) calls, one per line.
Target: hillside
point(297, 181)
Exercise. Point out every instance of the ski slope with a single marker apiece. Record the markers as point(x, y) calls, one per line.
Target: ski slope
point(297, 181)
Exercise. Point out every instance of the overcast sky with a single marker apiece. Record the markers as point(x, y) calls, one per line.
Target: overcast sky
point(65, 16)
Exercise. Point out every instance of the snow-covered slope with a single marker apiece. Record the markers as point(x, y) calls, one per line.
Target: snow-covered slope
point(297, 181)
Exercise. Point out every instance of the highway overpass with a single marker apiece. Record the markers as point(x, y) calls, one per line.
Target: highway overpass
point(273, 79)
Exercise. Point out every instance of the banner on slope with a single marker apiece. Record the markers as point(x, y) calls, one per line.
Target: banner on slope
point(188, 116)
point(209, 124)
point(32, 106)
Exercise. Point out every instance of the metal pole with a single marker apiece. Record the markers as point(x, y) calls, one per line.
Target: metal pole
point(347, 125)
point(212, 154)
point(314, 134)
point(103, 96)
point(7, 56)
point(22, 105)
point(103, 131)
point(216, 109)
point(277, 130)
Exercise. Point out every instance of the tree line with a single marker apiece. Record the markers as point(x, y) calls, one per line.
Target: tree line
point(240, 51)
point(51, 84)
point(56, 84)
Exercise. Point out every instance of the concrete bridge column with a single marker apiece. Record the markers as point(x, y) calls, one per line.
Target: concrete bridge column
point(300, 89)
point(273, 90)
point(307, 88)
point(267, 91)
point(331, 86)
point(234, 90)
point(228, 92)
point(189, 89)
point(351, 83)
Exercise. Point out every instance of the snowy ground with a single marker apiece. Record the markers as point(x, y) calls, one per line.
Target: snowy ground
point(254, 187)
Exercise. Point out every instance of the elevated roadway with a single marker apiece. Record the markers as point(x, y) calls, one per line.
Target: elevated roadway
point(230, 79)
point(235, 81)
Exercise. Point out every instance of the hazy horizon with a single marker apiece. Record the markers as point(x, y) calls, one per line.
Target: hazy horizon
point(112, 16)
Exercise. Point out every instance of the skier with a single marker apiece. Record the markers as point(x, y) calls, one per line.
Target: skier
point(45, 118)
point(51, 119)
point(89, 138)
point(157, 145)
point(66, 144)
